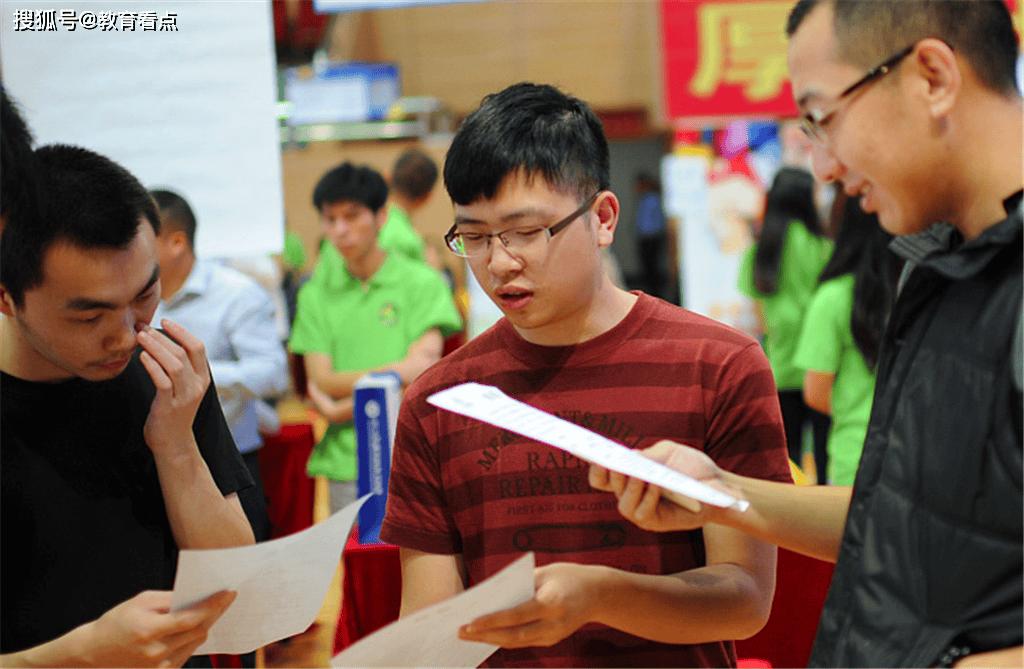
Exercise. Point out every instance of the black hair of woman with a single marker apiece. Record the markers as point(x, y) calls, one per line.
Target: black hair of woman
point(862, 249)
point(790, 198)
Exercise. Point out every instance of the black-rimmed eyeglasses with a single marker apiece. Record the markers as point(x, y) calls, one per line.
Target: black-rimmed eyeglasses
point(528, 242)
point(813, 122)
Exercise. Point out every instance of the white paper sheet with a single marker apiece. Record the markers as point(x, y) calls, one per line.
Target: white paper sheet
point(429, 638)
point(491, 405)
point(281, 584)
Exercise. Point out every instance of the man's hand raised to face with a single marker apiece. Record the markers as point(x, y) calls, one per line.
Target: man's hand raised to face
point(179, 369)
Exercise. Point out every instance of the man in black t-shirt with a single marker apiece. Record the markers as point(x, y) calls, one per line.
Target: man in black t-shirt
point(115, 454)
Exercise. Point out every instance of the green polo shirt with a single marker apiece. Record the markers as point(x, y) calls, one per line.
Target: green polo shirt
point(803, 257)
point(826, 345)
point(364, 326)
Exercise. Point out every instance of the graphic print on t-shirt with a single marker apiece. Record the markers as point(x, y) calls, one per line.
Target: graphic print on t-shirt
point(542, 494)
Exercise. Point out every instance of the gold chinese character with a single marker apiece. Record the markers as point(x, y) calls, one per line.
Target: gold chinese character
point(742, 43)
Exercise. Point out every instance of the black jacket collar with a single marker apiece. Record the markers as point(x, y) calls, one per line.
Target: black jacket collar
point(942, 248)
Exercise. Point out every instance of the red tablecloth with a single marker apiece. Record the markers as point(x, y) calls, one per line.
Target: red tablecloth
point(371, 590)
point(288, 488)
point(801, 584)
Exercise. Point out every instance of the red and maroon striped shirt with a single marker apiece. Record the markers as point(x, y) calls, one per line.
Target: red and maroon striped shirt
point(459, 485)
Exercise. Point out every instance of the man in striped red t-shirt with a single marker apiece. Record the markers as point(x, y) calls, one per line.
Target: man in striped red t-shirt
point(528, 173)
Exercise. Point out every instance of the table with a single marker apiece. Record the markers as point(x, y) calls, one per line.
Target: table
point(371, 590)
point(288, 488)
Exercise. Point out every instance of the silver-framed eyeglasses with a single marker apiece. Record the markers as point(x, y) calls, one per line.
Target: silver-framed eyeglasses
point(813, 122)
point(529, 241)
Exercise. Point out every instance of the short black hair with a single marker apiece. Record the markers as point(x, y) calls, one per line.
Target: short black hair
point(868, 31)
point(414, 175)
point(88, 200)
point(175, 213)
point(534, 128)
point(348, 182)
point(19, 182)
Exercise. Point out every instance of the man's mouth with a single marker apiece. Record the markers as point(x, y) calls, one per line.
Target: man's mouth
point(513, 298)
point(862, 193)
point(116, 363)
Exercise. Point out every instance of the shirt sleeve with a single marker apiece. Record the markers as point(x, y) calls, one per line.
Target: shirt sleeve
point(309, 330)
point(217, 446)
point(820, 345)
point(260, 365)
point(745, 434)
point(432, 306)
point(418, 514)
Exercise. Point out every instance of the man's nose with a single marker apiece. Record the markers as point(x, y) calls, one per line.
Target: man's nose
point(827, 167)
point(501, 260)
point(123, 338)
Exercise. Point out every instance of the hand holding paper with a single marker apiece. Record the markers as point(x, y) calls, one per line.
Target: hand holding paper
point(281, 584)
point(429, 637)
point(656, 509)
point(490, 405)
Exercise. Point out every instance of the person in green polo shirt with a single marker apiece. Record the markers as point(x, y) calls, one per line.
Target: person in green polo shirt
point(380, 311)
point(842, 333)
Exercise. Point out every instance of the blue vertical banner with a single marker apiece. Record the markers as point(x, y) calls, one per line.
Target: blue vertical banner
point(377, 398)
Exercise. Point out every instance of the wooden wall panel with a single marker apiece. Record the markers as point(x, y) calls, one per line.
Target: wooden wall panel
point(607, 53)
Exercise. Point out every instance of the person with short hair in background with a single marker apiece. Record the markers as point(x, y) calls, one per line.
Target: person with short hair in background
point(381, 311)
point(236, 320)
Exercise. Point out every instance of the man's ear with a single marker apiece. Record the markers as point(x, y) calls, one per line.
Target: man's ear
point(607, 209)
point(6, 302)
point(176, 242)
point(381, 217)
point(940, 71)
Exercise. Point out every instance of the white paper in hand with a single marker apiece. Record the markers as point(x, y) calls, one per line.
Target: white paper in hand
point(489, 404)
point(429, 638)
point(281, 584)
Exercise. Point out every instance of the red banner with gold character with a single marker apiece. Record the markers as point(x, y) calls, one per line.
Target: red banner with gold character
point(728, 57)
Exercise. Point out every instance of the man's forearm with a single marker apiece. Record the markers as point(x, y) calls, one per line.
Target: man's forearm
point(1007, 657)
point(200, 516)
point(339, 385)
point(57, 653)
point(806, 519)
point(711, 603)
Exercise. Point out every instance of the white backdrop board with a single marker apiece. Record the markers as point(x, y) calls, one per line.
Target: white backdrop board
point(181, 93)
